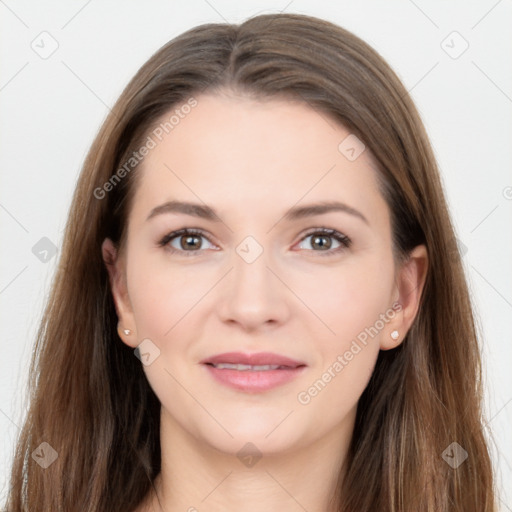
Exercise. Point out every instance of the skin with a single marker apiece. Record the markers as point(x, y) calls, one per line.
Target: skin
point(252, 161)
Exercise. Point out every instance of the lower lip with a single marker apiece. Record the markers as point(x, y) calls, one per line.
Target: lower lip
point(254, 381)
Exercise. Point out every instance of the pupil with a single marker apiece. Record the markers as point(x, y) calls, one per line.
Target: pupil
point(319, 244)
point(189, 242)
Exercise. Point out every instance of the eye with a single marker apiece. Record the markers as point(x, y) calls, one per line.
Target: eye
point(185, 241)
point(189, 242)
point(322, 241)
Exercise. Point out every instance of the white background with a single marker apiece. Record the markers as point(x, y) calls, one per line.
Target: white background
point(52, 108)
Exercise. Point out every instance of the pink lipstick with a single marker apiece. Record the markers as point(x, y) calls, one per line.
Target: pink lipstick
point(253, 373)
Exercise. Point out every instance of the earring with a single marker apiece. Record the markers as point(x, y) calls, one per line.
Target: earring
point(395, 335)
point(127, 332)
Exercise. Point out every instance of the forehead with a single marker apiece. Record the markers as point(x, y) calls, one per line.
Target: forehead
point(252, 154)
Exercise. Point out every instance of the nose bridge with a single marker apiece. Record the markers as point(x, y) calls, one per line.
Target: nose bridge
point(250, 266)
point(255, 295)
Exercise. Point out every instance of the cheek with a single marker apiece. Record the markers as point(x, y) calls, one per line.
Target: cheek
point(161, 293)
point(354, 303)
point(348, 298)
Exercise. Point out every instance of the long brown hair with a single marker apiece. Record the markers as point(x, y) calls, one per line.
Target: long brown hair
point(89, 397)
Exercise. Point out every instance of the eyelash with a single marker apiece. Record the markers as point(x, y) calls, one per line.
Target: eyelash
point(341, 238)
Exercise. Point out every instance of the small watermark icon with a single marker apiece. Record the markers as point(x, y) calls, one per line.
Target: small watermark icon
point(457, 248)
point(249, 455)
point(454, 455)
point(45, 45)
point(454, 45)
point(45, 455)
point(351, 147)
point(147, 352)
point(249, 249)
point(44, 250)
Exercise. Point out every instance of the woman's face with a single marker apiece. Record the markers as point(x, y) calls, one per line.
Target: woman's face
point(258, 277)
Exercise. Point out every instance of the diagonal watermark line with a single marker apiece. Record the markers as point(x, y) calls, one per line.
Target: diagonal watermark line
point(493, 287)
point(301, 300)
point(287, 5)
point(287, 492)
point(216, 486)
point(492, 211)
point(75, 15)
point(86, 86)
point(13, 217)
point(199, 403)
point(13, 279)
point(312, 187)
point(216, 11)
point(424, 14)
point(280, 11)
point(507, 507)
point(17, 426)
point(279, 423)
point(491, 80)
point(501, 409)
point(165, 165)
point(192, 307)
point(428, 72)
point(14, 76)
point(485, 15)
point(14, 14)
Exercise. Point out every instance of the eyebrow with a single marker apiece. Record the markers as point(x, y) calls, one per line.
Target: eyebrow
point(299, 212)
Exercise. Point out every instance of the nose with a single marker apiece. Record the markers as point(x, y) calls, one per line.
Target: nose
point(252, 294)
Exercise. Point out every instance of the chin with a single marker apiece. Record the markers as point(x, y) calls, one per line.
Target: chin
point(264, 435)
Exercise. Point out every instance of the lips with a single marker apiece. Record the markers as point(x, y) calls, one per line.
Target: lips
point(253, 373)
point(257, 359)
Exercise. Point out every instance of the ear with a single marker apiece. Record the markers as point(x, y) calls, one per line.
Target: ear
point(408, 289)
point(115, 264)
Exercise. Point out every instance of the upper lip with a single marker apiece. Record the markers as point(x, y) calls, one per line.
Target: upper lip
point(257, 359)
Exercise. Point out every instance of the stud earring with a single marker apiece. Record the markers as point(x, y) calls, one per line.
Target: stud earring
point(395, 335)
point(127, 332)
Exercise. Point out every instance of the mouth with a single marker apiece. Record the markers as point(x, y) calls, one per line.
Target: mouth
point(253, 373)
point(251, 368)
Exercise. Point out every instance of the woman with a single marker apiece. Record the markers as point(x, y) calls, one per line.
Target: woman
point(197, 353)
